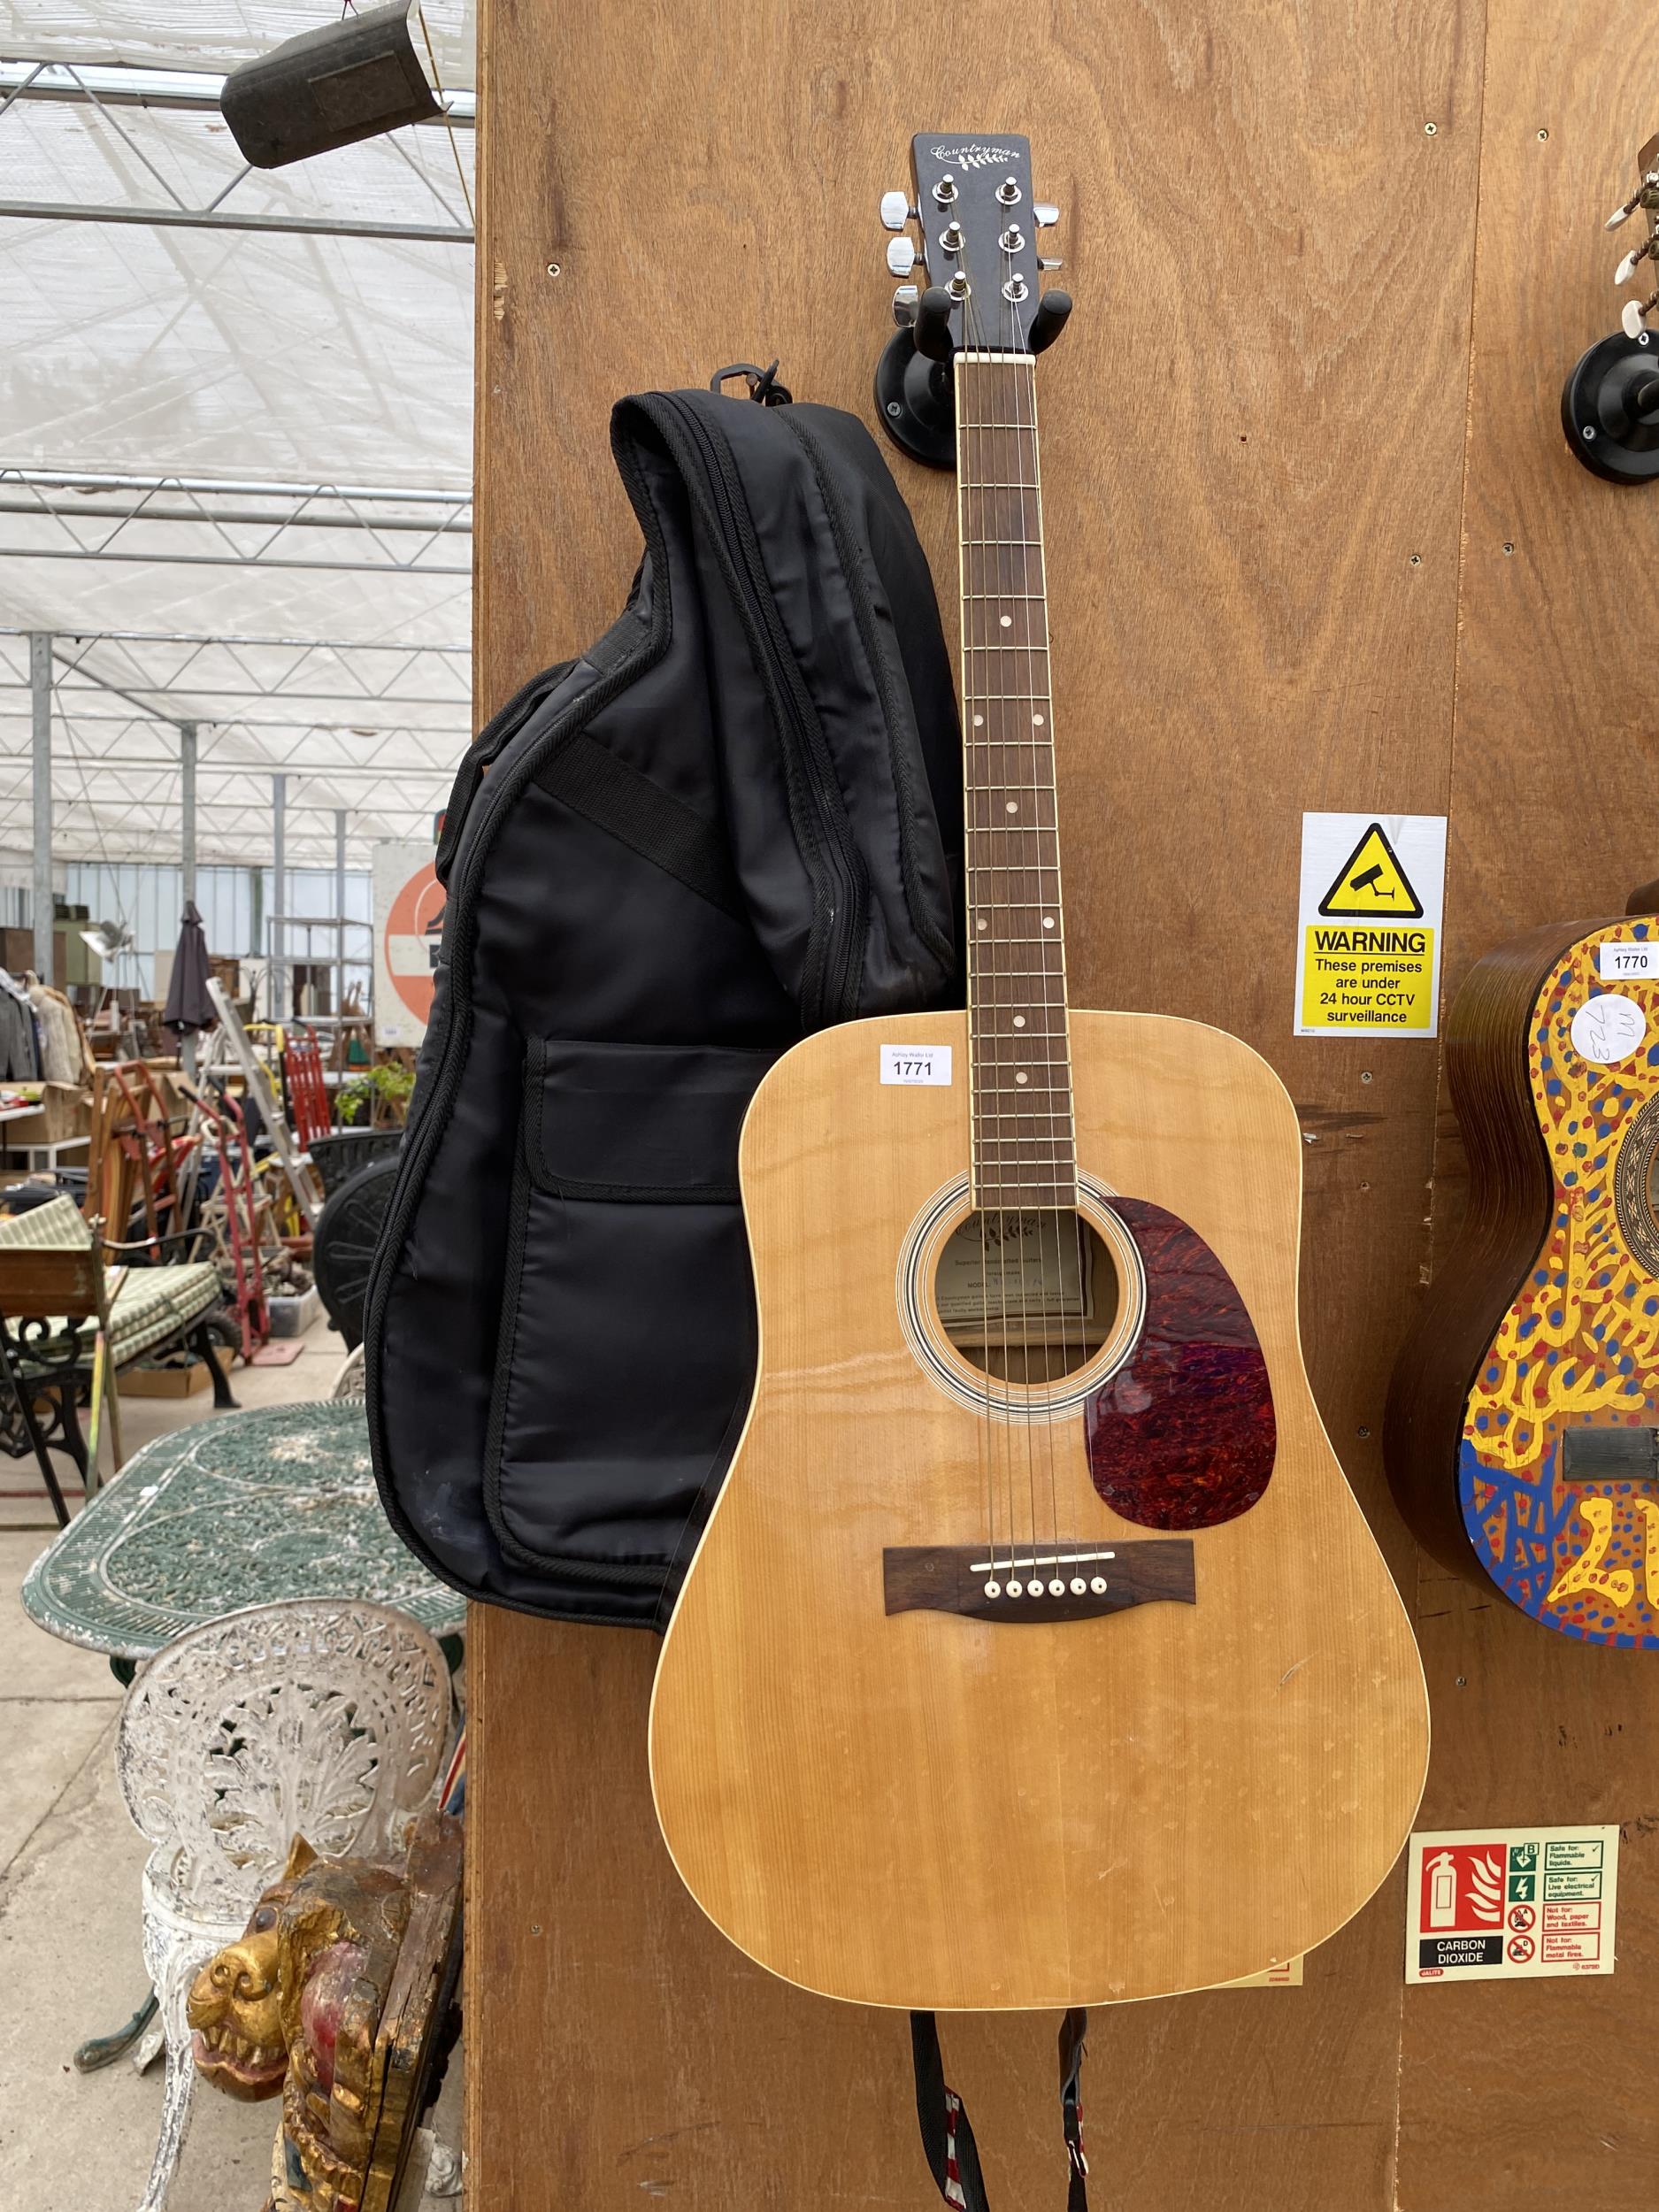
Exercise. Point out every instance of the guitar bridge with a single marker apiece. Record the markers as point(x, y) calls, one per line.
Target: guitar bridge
point(1061, 1581)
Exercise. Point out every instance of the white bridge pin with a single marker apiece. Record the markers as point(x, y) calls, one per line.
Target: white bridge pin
point(1097, 1583)
point(993, 1589)
point(1078, 1585)
point(1057, 1588)
point(1016, 1589)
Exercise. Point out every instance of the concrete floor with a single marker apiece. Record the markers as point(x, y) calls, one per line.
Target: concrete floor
point(70, 1859)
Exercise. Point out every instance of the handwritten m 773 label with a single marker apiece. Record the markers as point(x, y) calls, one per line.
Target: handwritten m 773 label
point(916, 1064)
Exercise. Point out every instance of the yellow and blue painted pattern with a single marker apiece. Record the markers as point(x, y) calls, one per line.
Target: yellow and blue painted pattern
point(1580, 1345)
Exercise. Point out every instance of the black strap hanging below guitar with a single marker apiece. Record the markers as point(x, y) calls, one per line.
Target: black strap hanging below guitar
point(948, 2134)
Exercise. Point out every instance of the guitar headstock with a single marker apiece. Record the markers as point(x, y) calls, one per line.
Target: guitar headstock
point(971, 202)
point(1646, 197)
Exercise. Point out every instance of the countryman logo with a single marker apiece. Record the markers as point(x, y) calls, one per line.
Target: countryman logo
point(973, 156)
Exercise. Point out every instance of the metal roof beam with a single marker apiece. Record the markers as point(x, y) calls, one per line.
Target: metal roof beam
point(241, 487)
point(71, 503)
point(203, 637)
point(34, 80)
point(183, 91)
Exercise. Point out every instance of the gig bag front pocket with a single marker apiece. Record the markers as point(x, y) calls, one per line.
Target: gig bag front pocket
point(604, 1441)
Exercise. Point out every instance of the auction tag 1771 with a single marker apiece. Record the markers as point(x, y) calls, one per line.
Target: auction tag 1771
point(1506, 1904)
point(916, 1064)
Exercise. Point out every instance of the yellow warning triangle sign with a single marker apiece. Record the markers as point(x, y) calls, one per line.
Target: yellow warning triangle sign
point(1371, 881)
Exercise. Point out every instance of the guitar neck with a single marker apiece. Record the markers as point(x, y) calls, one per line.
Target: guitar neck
point(1024, 1149)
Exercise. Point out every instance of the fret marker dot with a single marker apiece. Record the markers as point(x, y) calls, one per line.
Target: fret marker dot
point(1048, 921)
point(1036, 721)
point(1019, 1021)
point(1007, 621)
point(983, 922)
point(1020, 1076)
point(1013, 806)
point(979, 721)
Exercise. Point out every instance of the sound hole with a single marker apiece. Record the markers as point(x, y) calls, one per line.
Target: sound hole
point(1026, 1297)
point(1636, 1186)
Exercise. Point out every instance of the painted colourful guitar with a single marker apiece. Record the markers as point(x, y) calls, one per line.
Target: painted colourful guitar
point(1036, 1652)
point(1522, 1436)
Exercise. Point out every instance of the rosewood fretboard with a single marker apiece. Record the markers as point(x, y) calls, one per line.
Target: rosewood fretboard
point(1024, 1153)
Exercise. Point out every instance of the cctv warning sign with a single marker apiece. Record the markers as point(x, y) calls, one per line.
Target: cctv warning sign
point(1369, 929)
point(1507, 1903)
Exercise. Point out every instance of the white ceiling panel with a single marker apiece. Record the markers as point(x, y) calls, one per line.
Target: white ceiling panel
point(236, 357)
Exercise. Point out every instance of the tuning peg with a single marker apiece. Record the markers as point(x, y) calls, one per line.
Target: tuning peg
point(1627, 268)
point(1050, 261)
point(1622, 214)
point(1637, 198)
point(901, 256)
point(905, 305)
point(895, 210)
point(1632, 317)
point(1045, 214)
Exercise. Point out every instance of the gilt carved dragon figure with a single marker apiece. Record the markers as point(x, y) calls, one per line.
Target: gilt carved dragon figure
point(331, 1998)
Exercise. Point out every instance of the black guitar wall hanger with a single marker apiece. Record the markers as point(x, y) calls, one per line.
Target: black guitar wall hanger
point(970, 294)
point(1609, 404)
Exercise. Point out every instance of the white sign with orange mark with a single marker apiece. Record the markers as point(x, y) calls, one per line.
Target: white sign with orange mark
point(408, 903)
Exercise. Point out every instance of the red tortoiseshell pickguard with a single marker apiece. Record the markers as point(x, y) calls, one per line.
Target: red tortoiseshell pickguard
point(1183, 1434)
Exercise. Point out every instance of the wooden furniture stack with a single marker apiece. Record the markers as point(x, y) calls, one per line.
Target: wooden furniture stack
point(1316, 543)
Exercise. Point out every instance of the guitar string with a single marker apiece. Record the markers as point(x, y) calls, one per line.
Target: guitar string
point(1080, 1232)
point(1015, 374)
point(1078, 1227)
point(1022, 380)
point(964, 477)
point(993, 382)
point(1027, 374)
point(1009, 407)
point(1011, 1241)
point(994, 1138)
point(988, 1133)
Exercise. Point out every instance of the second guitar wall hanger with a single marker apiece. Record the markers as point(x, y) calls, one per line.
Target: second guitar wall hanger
point(1609, 404)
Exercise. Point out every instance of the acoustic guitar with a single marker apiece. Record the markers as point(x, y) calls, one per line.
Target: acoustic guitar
point(1036, 1652)
point(1522, 1432)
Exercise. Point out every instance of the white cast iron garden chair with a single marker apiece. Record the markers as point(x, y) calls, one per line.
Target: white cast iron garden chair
point(324, 1718)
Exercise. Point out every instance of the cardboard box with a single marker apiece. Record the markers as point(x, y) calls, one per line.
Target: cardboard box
point(163, 1382)
point(65, 1111)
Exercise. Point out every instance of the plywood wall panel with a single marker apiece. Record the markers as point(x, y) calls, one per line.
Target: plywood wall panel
point(1533, 2094)
point(1253, 435)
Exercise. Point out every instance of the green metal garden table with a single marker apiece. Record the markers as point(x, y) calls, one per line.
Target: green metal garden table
point(244, 1509)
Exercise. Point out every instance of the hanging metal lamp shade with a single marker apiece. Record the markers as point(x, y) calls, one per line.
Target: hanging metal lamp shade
point(349, 80)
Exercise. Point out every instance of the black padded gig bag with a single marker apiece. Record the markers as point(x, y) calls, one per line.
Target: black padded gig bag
point(734, 819)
